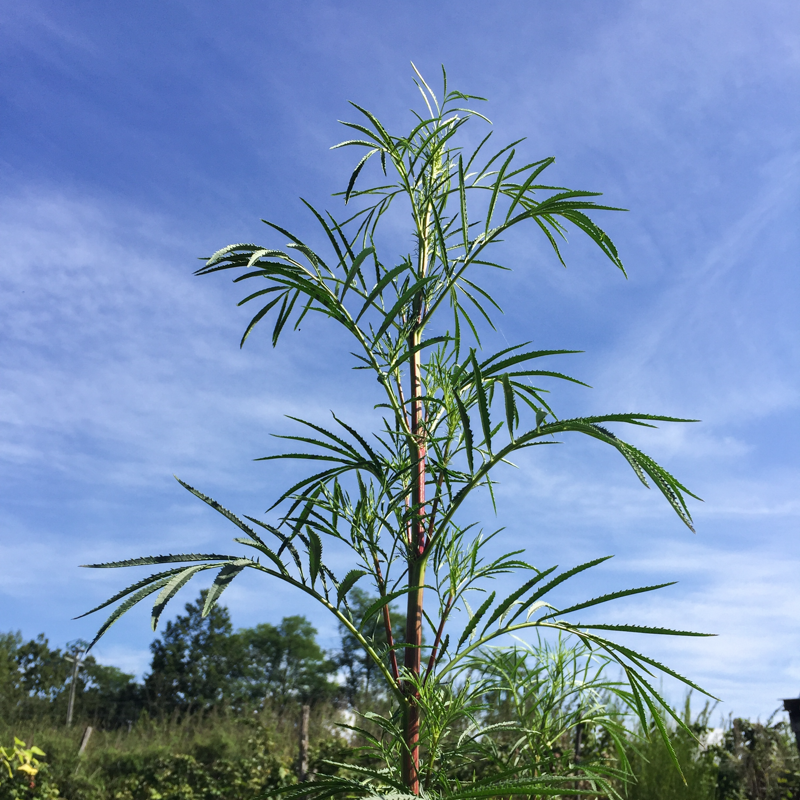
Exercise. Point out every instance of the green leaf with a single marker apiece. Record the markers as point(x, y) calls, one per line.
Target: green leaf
point(543, 590)
point(514, 596)
point(475, 619)
point(408, 352)
point(380, 286)
point(171, 589)
point(511, 406)
point(356, 172)
point(639, 629)
point(608, 597)
point(467, 431)
point(221, 510)
point(533, 787)
point(226, 251)
point(131, 588)
point(357, 262)
point(314, 554)
point(483, 406)
point(495, 190)
point(260, 315)
point(462, 194)
point(262, 548)
point(383, 601)
point(347, 583)
point(221, 583)
point(390, 317)
point(150, 560)
point(157, 582)
point(492, 367)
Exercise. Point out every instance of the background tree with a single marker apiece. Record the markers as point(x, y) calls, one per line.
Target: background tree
point(12, 693)
point(757, 760)
point(194, 661)
point(284, 663)
point(45, 673)
point(110, 697)
point(35, 681)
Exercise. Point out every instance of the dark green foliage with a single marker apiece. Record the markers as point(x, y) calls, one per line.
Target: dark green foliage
point(284, 664)
point(111, 698)
point(44, 671)
point(198, 757)
point(758, 762)
point(193, 661)
point(654, 775)
point(754, 761)
point(361, 673)
point(35, 681)
point(12, 692)
point(213, 768)
point(198, 664)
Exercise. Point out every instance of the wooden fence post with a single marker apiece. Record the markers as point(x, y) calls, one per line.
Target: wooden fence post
point(303, 770)
point(85, 739)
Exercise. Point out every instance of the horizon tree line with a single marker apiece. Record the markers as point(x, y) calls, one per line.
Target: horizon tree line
point(197, 664)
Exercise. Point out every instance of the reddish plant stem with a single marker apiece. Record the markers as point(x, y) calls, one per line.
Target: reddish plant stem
point(412, 654)
point(434, 507)
point(403, 403)
point(387, 622)
point(438, 640)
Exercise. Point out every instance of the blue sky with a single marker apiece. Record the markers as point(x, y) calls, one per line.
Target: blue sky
point(135, 138)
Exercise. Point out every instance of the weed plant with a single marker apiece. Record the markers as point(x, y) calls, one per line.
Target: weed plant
point(388, 506)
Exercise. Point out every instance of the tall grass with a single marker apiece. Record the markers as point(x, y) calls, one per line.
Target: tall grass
point(654, 776)
point(750, 761)
point(199, 756)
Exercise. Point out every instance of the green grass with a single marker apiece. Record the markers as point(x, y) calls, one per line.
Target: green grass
point(204, 756)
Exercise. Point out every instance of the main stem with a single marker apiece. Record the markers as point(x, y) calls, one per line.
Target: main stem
point(416, 577)
point(416, 544)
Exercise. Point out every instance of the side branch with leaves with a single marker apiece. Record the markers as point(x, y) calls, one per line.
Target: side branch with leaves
point(451, 415)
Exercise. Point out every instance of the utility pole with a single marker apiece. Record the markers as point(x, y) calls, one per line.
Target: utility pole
point(77, 663)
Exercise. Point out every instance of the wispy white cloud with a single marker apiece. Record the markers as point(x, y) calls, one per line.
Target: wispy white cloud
point(746, 599)
point(118, 365)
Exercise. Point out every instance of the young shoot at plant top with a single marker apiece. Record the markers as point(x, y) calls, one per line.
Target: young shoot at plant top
point(452, 414)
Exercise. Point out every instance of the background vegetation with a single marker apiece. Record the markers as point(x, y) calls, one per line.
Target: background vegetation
point(217, 715)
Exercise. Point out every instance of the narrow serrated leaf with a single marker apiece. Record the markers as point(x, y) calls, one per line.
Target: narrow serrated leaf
point(314, 554)
point(132, 588)
point(381, 602)
point(514, 596)
point(483, 406)
point(380, 286)
point(348, 582)
point(171, 589)
point(221, 582)
point(475, 619)
point(466, 430)
point(147, 561)
point(127, 605)
point(608, 597)
point(357, 262)
point(511, 406)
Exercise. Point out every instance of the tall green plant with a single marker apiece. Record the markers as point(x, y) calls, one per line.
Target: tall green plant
point(452, 414)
